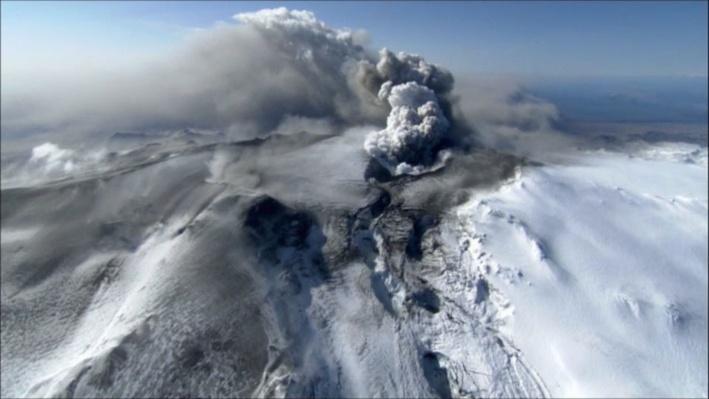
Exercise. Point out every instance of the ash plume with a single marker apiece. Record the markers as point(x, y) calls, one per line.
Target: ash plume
point(275, 72)
point(245, 80)
point(415, 90)
point(242, 79)
point(415, 126)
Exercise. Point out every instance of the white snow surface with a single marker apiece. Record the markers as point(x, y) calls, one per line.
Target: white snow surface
point(604, 262)
point(583, 278)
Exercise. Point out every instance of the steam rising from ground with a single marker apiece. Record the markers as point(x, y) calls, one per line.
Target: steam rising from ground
point(53, 157)
point(50, 162)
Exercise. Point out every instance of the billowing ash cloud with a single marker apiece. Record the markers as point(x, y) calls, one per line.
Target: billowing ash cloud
point(277, 71)
point(403, 67)
point(416, 123)
point(510, 120)
point(243, 79)
point(414, 128)
point(247, 80)
point(327, 59)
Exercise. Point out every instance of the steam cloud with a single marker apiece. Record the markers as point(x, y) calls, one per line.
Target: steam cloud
point(53, 158)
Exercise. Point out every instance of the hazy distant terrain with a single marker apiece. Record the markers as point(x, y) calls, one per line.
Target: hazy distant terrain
point(628, 100)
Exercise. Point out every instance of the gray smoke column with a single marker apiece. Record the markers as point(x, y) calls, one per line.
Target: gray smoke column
point(256, 77)
point(415, 90)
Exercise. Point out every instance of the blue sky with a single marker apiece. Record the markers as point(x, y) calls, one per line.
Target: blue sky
point(519, 38)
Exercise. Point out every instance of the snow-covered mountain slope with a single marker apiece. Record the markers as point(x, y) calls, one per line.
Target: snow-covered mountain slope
point(239, 269)
point(604, 262)
point(203, 270)
point(277, 210)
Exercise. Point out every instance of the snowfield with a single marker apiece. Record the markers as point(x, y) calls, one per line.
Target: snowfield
point(604, 261)
point(183, 270)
